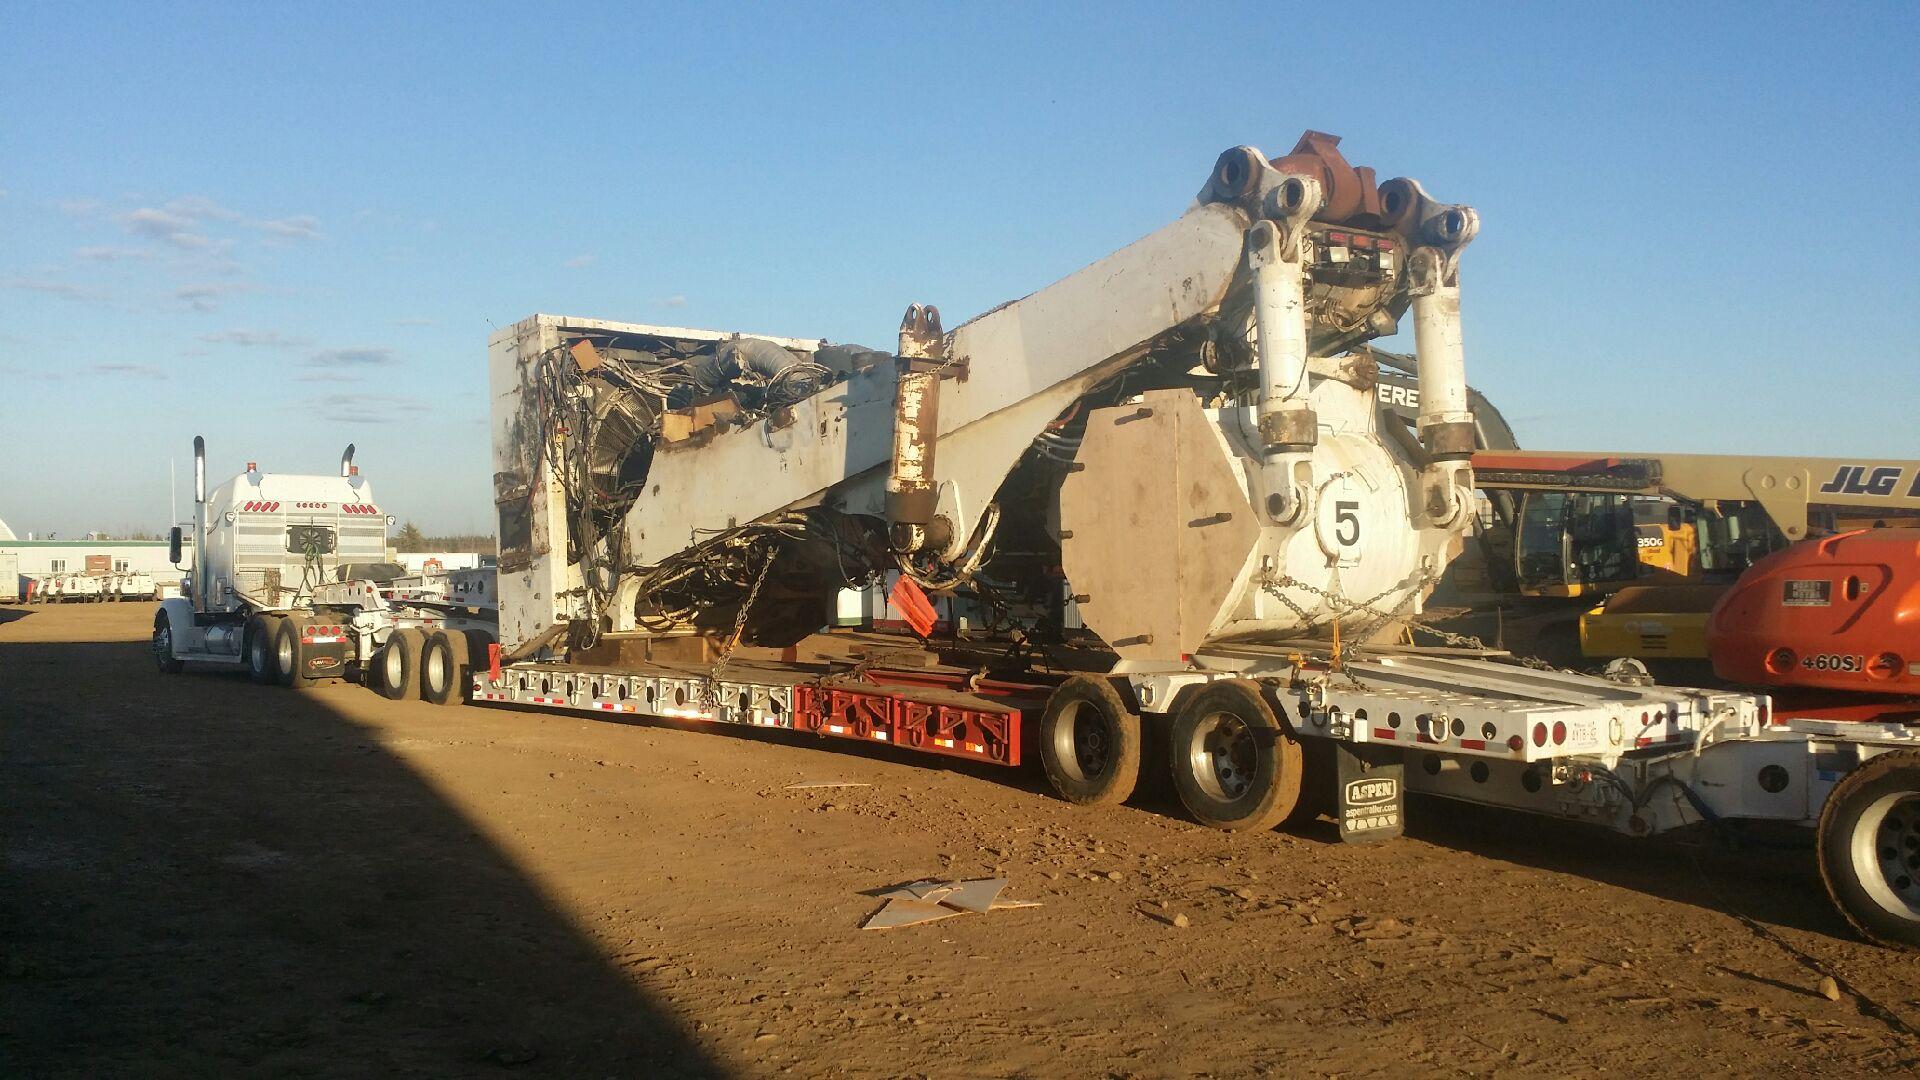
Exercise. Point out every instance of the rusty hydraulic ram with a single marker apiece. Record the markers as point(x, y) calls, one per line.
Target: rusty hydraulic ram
point(913, 493)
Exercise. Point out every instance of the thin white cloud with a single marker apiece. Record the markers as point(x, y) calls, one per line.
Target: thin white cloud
point(254, 339)
point(578, 262)
point(174, 230)
point(366, 408)
point(358, 357)
point(64, 289)
point(108, 253)
point(297, 227)
point(138, 371)
point(207, 296)
point(674, 301)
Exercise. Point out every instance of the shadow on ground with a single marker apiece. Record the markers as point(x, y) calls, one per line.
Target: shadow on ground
point(241, 880)
point(1768, 877)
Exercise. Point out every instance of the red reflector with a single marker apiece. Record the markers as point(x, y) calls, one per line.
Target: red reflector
point(1362, 242)
point(1516, 743)
point(1337, 238)
point(1539, 734)
point(1559, 733)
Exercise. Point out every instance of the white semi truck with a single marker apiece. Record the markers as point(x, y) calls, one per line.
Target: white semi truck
point(291, 580)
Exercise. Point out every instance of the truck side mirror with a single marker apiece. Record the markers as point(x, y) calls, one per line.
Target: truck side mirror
point(173, 546)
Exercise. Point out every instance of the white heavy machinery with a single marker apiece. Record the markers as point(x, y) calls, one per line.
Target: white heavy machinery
point(291, 579)
point(1182, 446)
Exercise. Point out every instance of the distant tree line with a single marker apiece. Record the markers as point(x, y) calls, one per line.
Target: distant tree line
point(411, 538)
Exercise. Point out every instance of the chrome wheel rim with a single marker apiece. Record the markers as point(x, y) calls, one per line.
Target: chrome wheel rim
point(285, 653)
point(1222, 756)
point(436, 671)
point(1080, 742)
point(390, 666)
point(1886, 853)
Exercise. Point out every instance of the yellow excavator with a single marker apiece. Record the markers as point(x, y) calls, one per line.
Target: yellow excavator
point(1660, 537)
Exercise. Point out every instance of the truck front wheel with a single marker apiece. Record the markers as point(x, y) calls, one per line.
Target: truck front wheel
point(1869, 848)
point(163, 645)
point(1235, 765)
point(1090, 742)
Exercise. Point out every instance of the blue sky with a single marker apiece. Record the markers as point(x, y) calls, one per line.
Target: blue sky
point(291, 228)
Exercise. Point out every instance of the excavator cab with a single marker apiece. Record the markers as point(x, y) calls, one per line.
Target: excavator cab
point(1574, 543)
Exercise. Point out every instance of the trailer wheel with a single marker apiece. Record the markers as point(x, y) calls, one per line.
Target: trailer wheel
point(163, 645)
point(258, 641)
point(397, 666)
point(289, 654)
point(1090, 742)
point(1235, 765)
point(1869, 848)
point(443, 668)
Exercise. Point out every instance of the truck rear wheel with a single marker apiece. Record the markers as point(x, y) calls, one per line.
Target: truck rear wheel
point(163, 645)
point(398, 665)
point(290, 654)
point(1090, 742)
point(258, 641)
point(1235, 765)
point(1869, 848)
point(443, 668)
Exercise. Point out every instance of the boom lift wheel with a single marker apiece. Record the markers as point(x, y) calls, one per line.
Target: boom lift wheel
point(289, 654)
point(399, 665)
point(443, 668)
point(1235, 765)
point(163, 645)
point(1869, 848)
point(1090, 742)
point(259, 644)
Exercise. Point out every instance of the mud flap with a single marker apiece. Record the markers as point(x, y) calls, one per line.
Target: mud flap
point(1371, 792)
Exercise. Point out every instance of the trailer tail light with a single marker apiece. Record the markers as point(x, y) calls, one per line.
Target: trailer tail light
point(260, 506)
point(1559, 733)
point(323, 635)
point(1540, 734)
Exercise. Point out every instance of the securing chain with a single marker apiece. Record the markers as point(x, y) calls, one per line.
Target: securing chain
point(710, 693)
point(1341, 605)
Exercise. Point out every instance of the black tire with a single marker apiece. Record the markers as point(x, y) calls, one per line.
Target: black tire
point(1235, 765)
point(443, 668)
point(163, 645)
point(398, 664)
point(1868, 843)
point(289, 654)
point(1090, 742)
point(256, 644)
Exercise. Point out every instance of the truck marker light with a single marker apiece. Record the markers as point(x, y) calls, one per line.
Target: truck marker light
point(1516, 744)
point(1559, 732)
point(1540, 734)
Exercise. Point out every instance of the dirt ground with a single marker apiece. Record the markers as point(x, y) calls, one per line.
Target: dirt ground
point(204, 877)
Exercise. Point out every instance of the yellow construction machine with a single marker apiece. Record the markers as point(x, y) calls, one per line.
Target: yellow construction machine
point(1659, 537)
